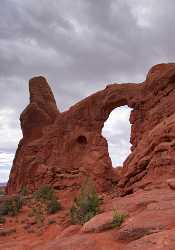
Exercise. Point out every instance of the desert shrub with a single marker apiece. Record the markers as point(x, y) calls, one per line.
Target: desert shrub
point(2, 191)
point(2, 220)
point(118, 218)
point(11, 206)
point(44, 193)
point(86, 205)
point(53, 206)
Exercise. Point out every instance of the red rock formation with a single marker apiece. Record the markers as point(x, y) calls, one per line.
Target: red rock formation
point(61, 149)
point(41, 111)
point(153, 132)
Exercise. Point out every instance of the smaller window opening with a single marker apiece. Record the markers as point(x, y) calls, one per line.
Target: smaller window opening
point(82, 140)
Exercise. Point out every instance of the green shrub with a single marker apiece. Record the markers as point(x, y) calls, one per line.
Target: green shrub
point(44, 193)
point(2, 220)
point(11, 206)
point(118, 218)
point(53, 206)
point(47, 196)
point(86, 205)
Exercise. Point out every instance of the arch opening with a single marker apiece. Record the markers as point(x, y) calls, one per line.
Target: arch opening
point(117, 131)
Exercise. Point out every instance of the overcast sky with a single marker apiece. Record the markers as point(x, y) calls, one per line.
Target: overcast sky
point(80, 46)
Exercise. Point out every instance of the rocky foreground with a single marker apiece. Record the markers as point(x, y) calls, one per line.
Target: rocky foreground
point(62, 149)
point(150, 224)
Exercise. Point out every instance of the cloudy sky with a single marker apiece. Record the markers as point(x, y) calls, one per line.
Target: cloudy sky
point(80, 46)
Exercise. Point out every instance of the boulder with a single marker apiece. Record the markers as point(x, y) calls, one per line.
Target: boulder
point(70, 231)
point(99, 223)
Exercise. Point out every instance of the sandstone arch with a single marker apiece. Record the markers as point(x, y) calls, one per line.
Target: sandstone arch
point(48, 152)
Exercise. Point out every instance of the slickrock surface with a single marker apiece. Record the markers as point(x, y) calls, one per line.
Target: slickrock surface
point(150, 224)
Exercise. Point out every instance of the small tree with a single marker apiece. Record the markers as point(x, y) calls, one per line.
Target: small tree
point(86, 205)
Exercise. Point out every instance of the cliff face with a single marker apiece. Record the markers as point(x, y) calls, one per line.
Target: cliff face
point(153, 132)
point(61, 149)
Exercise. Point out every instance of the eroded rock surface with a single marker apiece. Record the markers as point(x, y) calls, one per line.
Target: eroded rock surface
point(61, 149)
point(158, 241)
point(150, 224)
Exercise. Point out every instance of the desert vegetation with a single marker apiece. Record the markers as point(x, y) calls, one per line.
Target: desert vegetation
point(47, 197)
point(11, 206)
point(86, 204)
point(118, 218)
point(40, 205)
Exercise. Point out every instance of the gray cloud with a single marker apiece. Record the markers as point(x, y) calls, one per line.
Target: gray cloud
point(80, 46)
